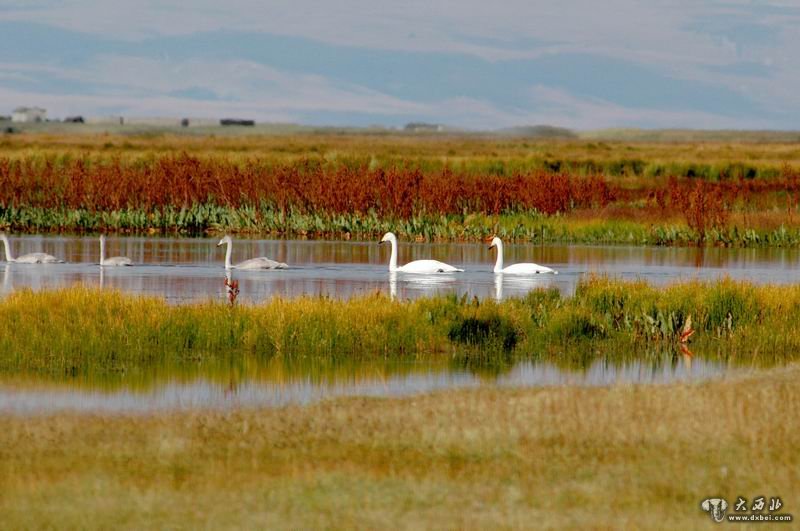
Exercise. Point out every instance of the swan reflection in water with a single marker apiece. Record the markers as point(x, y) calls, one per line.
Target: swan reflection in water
point(518, 285)
point(6, 279)
point(420, 284)
point(393, 285)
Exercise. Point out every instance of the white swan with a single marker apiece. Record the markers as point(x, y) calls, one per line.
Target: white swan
point(113, 261)
point(254, 263)
point(516, 269)
point(32, 258)
point(417, 266)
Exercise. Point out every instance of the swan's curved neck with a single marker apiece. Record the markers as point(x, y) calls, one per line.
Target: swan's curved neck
point(102, 251)
point(498, 265)
point(228, 252)
point(7, 247)
point(393, 258)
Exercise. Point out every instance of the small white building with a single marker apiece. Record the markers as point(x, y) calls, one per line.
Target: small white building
point(29, 114)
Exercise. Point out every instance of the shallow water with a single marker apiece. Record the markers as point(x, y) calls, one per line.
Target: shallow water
point(176, 393)
point(189, 269)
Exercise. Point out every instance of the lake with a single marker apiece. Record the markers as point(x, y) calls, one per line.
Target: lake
point(272, 384)
point(191, 269)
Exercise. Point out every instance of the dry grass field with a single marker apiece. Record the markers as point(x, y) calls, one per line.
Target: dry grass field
point(619, 457)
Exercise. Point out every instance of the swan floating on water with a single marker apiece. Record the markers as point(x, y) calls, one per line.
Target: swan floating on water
point(32, 258)
point(261, 262)
point(417, 266)
point(114, 260)
point(516, 269)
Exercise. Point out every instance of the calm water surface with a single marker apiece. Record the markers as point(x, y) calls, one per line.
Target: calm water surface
point(190, 269)
point(179, 392)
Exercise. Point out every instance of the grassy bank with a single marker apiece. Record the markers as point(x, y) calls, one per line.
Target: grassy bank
point(681, 153)
point(77, 331)
point(551, 458)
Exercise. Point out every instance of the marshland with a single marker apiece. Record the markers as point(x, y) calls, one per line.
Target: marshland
point(465, 187)
point(142, 353)
point(486, 458)
point(658, 367)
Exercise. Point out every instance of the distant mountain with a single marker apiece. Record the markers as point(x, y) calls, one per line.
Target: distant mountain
point(423, 127)
point(690, 135)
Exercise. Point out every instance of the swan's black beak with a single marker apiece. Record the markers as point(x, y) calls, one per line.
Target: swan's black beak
point(219, 244)
point(381, 242)
point(490, 247)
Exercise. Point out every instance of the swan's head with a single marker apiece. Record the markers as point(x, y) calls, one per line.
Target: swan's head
point(224, 241)
point(495, 242)
point(388, 237)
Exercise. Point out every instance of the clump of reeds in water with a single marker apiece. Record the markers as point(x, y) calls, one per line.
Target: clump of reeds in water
point(79, 330)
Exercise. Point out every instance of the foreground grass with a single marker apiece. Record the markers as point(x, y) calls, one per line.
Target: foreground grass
point(77, 331)
point(641, 457)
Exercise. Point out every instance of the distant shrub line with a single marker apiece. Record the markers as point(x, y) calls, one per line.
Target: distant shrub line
point(316, 197)
point(309, 186)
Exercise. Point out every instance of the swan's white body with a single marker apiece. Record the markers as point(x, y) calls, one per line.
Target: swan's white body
point(261, 262)
point(516, 269)
point(32, 258)
point(114, 260)
point(417, 266)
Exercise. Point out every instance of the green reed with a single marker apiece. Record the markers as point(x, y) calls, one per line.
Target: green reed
point(522, 226)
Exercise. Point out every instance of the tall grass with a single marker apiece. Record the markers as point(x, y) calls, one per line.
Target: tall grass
point(183, 181)
point(103, 183)
point(683, 155)
point(321, 196)
point(90, 331)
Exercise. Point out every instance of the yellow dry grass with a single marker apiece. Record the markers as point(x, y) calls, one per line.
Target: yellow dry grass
point(617, 457)
point(455, 149)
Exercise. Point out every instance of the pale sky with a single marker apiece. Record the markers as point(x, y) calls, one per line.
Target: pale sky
point(583, 64)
